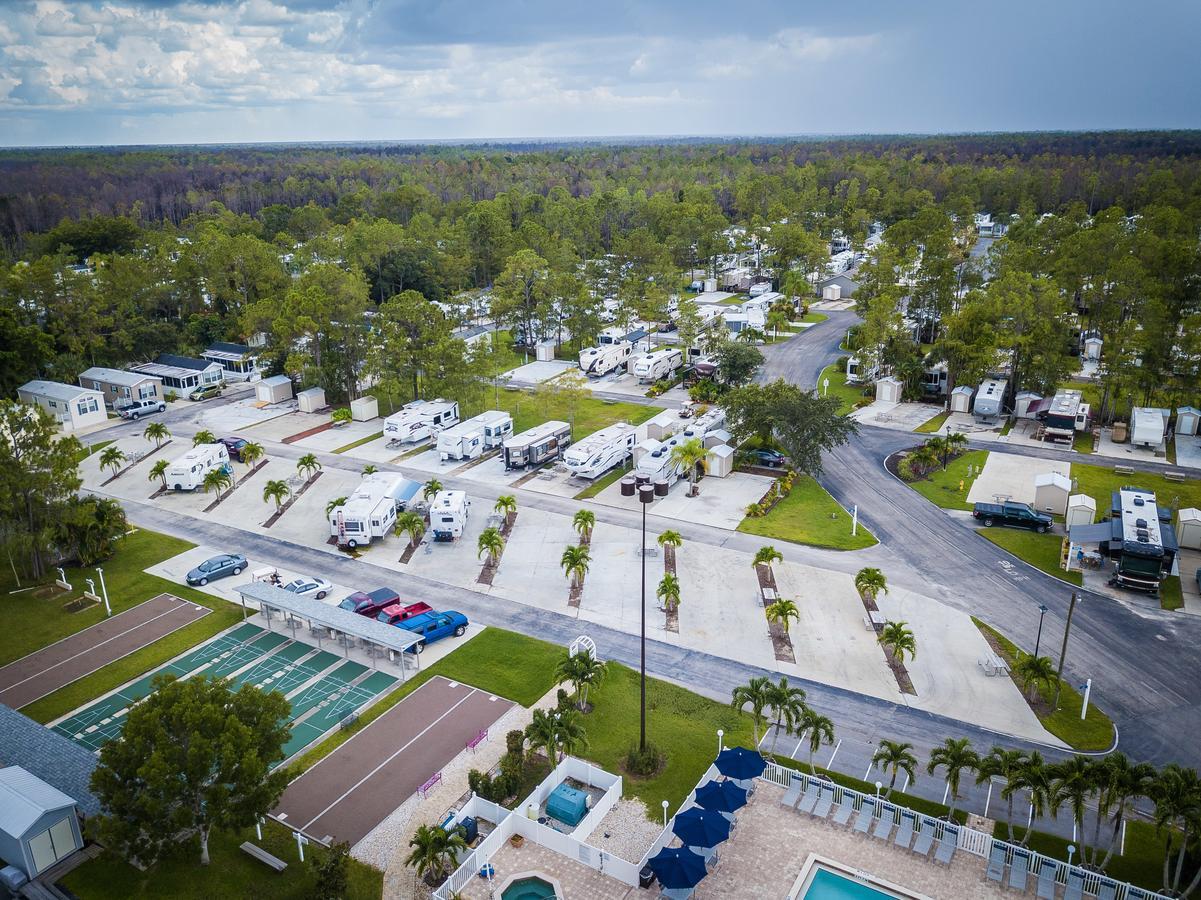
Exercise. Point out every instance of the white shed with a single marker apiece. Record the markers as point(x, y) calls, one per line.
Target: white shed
point(1051, 492)
point(311, 400)
point(961, 399)
point(276, 389)
point(544, 351)
point(1092, 347)
point(1188, 418)
point(1022, 404)
point(364, 409)
point(38, 822)
point(719, 461)
point(1188, 528)
point(1082, 510)
point(832, 292)
point(888, 389)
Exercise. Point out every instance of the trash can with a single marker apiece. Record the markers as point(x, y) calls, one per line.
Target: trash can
point(646, 877)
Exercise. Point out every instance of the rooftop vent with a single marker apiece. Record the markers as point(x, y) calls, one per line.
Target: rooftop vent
point(1139, 501)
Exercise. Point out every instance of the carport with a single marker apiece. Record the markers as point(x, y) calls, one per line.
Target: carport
point(326, 621)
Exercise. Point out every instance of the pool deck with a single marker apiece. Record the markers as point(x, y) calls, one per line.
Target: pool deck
point(578, 881)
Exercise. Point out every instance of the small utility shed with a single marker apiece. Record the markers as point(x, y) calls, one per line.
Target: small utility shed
point(38, 822)
point(275, 389)
point(1082, 510)
point(888, 390)
point(719, 461)
point(311, 400)
point(1188, 528)
point(1051, 492)
point(961, 399)
point(1188, 418)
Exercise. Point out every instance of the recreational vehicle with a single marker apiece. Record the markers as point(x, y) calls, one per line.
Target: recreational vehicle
point(419, 420)
point(1147, 426)
point(1065, 416)
point(448, 515)
point(655, 461)
point(539, 444)
point(989, 398)
point(712, 420)
point(598, 361)
point(370, 512)
point(934, 380)
point(1142, 543)
point(601, 451)
point(187, 473)
point(656, 364)
point(858, 372)
point(470, 439)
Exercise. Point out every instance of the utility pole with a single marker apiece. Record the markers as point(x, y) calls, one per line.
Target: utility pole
point(1063, 651)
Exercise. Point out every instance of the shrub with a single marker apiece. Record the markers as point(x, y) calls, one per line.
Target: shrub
point(866, 401)
point(645, 763)
point(562, 699)
point(170, 396)
point(515, 743)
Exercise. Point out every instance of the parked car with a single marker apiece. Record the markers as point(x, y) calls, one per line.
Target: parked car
point(1015, 515)
point(773, 459)
point(234, 445)
point(370, 603)
point(309, 586)
point(204, 393)
point(433, 626)
point(395, 614)
point(140, 408)
point(217, 567)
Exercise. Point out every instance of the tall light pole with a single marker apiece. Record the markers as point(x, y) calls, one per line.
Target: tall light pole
point(646, 496)
point(1042, 611)
point(1063, 651)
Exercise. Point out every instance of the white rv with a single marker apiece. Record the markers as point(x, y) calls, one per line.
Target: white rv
point(712, 420)
point(989, 397)
point(187, 473)
point(537, 445)
point(1147, 426)
point(655, 461)
point(656, 364)
point(370, 512)
point(420, 419)
point(857, 372)
point(468, 440)
point(448, 515)
point(598, 361)
point(601, 451)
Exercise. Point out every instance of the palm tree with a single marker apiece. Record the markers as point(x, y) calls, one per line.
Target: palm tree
point(781, 611)
point(542, 733)
point(670, 538)
point(1034, 672)
point(922, 459)
point(689, 456)
point(157, 432)
point(899, 640)
point(575, 562)
point(334, 504)
point(308, 465)
point(754, 693)
point(412, 524)
point(956, 756)
point(370, 469)
point(111, 457)
point(1074, 784)
point(777, 319)
point(820, 730)
point(870, 582)
point(570, 735)
point(159, 470)
point(277, 489)
point(766, 556)
point(1121, 784)
point(583, 670)
point(556, 733)
point(218, 480)
point(750, 335)
point(787, 703)
point(1177, 796)
point(506, 505)
point(434, 849)
point(204, 436)
point(432, 488)
point(895, 757)
point(1033, 776)
point(1005, 764)
point(584, 521)
point(492, 543)
point(668, 591)
point(252, 452)
point(955, 442)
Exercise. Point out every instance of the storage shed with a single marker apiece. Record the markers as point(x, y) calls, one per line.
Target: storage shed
point(1092, 347)
point(961, 399)
point(1051, 492)
point(38, 822)
point(888, 390)
point(1188, 528)
point(364, 409)
point(276, 389)
point(1025, 405)
point(719, 461)
point(832, 292)
point(311, 400)
point(1082, 510)
point(1188, 418)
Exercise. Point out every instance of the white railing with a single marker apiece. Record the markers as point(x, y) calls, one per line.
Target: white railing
point(599, 810)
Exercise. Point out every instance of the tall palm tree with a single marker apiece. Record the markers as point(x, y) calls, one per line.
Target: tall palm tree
point(899, 640)
point(955, 756)
point(542, 733)
point(820, 730)
point(689, 456)
point(870, 582)
point(1177, 797)
point(1034, 672)
point(308, 465)
point(410, 523)
point(777, 319)
point(895, 757)
point(1034, 777)
point(1121, 784)
point(159, 470)
point(432, 489)
point(575, 562)
point(955, 442)
point(490, 542)
point(766, 556)
point(781, 611)
point(252, 452)
point(111, 457)
point(584, 521)
point(333, 504)
point(570, 735)
point(218, 480)
point(670, 538)
point(750, 335)
point(1007, 765)
point(157, 432)
point(277, 489)
point(583, 670)
point(754, 694)
point(203, 436)
point(506, 505)
point(1074, 784)
point(668, 591)
point(370, 469)
point(787, 704)
point(434, 849)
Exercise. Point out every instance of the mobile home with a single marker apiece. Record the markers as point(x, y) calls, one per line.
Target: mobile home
point(370, 512)
point(420, 419)
point(468, 440)
point(73, 407)
point(989, 397)
point(183, 373)
point(656, 364)
point(601, 450)
point(1147, 426)
point(539, 444)
point(606, 358)
point(121, 388)
point(187, 472)
point(448, 515)
point(239, 361)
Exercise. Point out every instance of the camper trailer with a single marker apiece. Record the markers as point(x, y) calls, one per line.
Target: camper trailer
point(655, 460)
point(601, 450)
point(539, 444)
point(656, 364)
point(370, 512)
point(598, 361)
point(712, 420)
point(468, 440)
point(989, 398)
point(1063, 417)
point(858, 373)
point(187, 473)
point(1147, 426)
point(934, 380)
point(448, 515)
point(419, 420)
point(1142, 543)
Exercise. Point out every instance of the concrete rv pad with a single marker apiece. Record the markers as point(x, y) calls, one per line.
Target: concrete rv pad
point(1012, 476)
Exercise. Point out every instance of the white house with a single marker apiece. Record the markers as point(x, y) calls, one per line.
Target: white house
point(239, 361)
point(121, 388)
point(74, 407)
point(182, 372)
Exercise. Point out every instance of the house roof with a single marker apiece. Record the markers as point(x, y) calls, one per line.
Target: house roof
point(183, 362)
point(114, 376)
point(170, 366)
point(25, 798)
point(226, 347)
point(52, 757)
point(56, 390)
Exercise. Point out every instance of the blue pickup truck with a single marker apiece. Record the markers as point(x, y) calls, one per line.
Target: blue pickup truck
point(1015, 515)
point(433, 626)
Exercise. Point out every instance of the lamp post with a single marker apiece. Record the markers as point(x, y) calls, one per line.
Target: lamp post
point(720, 734)
point(1042, 611)
point(641, 486)
point(664, 813)
point(879, 784)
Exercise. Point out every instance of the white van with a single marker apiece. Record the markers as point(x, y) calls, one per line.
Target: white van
point(187, 473)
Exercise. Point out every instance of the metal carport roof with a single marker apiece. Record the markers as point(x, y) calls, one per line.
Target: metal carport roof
point(1091, 534)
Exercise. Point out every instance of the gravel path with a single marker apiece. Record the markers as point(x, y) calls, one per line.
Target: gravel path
point(626, 832)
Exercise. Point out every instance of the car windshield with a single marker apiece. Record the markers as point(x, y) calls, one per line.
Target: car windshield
point(384, 616)
point(348, 603)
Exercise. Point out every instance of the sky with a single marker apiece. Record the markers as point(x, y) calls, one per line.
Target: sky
point(89, 72)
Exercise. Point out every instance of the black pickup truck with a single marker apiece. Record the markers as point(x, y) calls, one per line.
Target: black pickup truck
point(1016, 515)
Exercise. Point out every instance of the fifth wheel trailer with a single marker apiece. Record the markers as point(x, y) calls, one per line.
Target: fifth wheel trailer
point(656, 364)
point(539, 444)
point(468, 440)
point(598, 361)
point(601, 451)
point(989, 398)
point(420, 419)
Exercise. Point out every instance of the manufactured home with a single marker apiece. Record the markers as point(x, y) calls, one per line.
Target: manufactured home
point(601, 450)
point(468, 440)
point(448, 515)
point(1147, 426)
point(989, 399)
point(606, 358)
point(121, 388)
point(72, 406)
point(239, 362)
point(420, 420)
point(370, 512)
point(182, 373)
point(187, 472)
point(656, 364)
point(538, 445)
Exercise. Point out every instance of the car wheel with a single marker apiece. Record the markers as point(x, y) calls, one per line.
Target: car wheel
point(1042, 529)
point(460, 630)
point(134, 415)
point(237, 570)
point(420, 648)
point(321, 595)
point(203, 582)
point(162, 407)
point(988, 523)
point(352, 544)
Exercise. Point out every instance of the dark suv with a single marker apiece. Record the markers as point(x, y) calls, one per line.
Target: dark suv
point(370, 603)
point(234, 445)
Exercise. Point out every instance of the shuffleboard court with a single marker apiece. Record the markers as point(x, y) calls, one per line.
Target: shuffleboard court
point(330, 700)
point(345, 795)
point(46, 670)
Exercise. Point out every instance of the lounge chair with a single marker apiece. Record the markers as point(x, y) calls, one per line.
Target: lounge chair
point(1107, 890)
point(884, 826)
point(905, 832)
point(996, 863)
point(809, 798)
point(867, 812)
point(925, 838)
point(1075, 887)
point(1018, 870)
point(824, 801)
point(843, 814)
point(947, 845)
point(792, 794)
point(1046, 880)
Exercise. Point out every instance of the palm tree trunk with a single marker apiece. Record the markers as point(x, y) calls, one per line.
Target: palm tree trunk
point(1009, 819)
point(1113, 839)
point(775, 737)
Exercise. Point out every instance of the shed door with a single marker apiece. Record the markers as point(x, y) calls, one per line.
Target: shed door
point(52, 845)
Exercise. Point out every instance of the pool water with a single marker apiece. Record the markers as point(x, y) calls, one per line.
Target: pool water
point(528, 889)
point(827, 885)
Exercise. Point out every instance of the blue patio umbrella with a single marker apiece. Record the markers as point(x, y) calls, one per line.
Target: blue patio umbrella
point(699, 827)
point(677, 867)
point(740, 763)
point(720, 796)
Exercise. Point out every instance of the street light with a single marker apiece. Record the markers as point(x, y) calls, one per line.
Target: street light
point(646, 496)
point(1042, 611)
point(720, 734)
point(879, 784)
point(664, 813)
point(1071, 852)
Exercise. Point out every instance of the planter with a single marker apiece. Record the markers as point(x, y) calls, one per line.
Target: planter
point(517, 841)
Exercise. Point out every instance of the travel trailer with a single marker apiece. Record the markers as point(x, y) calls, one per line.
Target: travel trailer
point(601, 450)
point(539, 444)
point(712, 420)
point(448, 515)
point(370, 512)
point(187, 473)
point(655, 461)
point(857, 372)
point(1147, 426)
point(656, 364)
point(989, 398)
point(598, 361)
point(419, 420)
point(468, 440)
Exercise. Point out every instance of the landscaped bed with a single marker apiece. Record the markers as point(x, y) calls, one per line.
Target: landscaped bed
point(942, 486)
point(809, 515)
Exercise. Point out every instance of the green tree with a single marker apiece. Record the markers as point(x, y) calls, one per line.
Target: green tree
point(894, 757)
point(787, 704)
point(204, 436)
point(767, 556)
point(490, 542)
point(412, 524)
point(308, 465)
point(1177, 797)
point(689, 457)
point(111, 457)
point(193, 756)
point(955, 756)
point(506, 505)
point(778, 320)
point(89, 529)
point(584, 521)
point(1121, 784)
point(333, 504)
point(738, 362)
point(157, 432)
point(820, 730)
point(1034, 672)
point(521, 293)
point(804, 424)
point(574, 562)
point(434, 850)
point(670, 538)
point(1074, 785)
point(217, 480)
point(781, 611)
point(252, 452)
point(584, 671)
point(277, 490)
point(899, 639)
point(755, 694)
point(870, 582)
point(1007, 765)
point(159, 470)
point(432, 489)
point(668, 592)
point(1034, 777)
point(331, 872)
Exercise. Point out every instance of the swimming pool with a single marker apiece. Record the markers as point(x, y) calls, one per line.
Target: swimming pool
point(829, 885)
point(530, 888)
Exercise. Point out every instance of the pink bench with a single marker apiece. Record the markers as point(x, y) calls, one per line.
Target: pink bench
point(433, 782)
point(477, 740)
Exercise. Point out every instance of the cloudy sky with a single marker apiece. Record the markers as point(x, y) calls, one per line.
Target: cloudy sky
point(157, 71)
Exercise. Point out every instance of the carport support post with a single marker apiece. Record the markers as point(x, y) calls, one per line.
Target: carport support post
point(1067, 628)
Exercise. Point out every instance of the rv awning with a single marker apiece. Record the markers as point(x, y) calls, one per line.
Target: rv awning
point(1091, 534)
point(1038, 406)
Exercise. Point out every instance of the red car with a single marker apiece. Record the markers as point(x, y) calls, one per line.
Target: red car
point(395, 614)
point(370, 604)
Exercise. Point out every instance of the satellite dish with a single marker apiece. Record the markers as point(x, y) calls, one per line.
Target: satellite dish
point(582, 644)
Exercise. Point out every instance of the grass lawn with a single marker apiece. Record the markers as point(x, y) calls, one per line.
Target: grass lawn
point(1141, 864)
point(590, 414)
point(88, 449)
point(601, 483)
point(809, 515)
point(360, 442)
point(1170, 595)
point(1083, 442)
point(1040, 550)
point(932, 425)
point(1100, 483)
point(231, 874)
point(918, 804)
point(812, 318)
point(941, 486)
point(1094, 733)
point(848, 395)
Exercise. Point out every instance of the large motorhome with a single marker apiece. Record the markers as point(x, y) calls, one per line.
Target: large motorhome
point(419, 420)
point(1142, 542)
point(601, 450)
point(1066, 415)
point(989, 397)
point(370, 512)
point(1147, 426)
point(448, 515)
point(655, 461)
point(468, 440)
point(606, 358)
point(656, 364)
point(187, 472)
point(539, 444)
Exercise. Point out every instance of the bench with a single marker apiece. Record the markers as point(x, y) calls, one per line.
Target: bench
point(348, 721)
point(263, 856)
point(1174, 476)
point(477, 740)
point(434, 781)
point(1123, 470)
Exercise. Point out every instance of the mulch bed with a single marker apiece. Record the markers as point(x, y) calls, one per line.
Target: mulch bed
point(780, 641)
point(904, 682)
point(410, 549)
point(237, 484)
point(301, 435)
point(507, 528)
point(79, 604)
point(573, 596)
point(669, 567)
point(159, 491)
point(487, 573)
point(275, 516)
